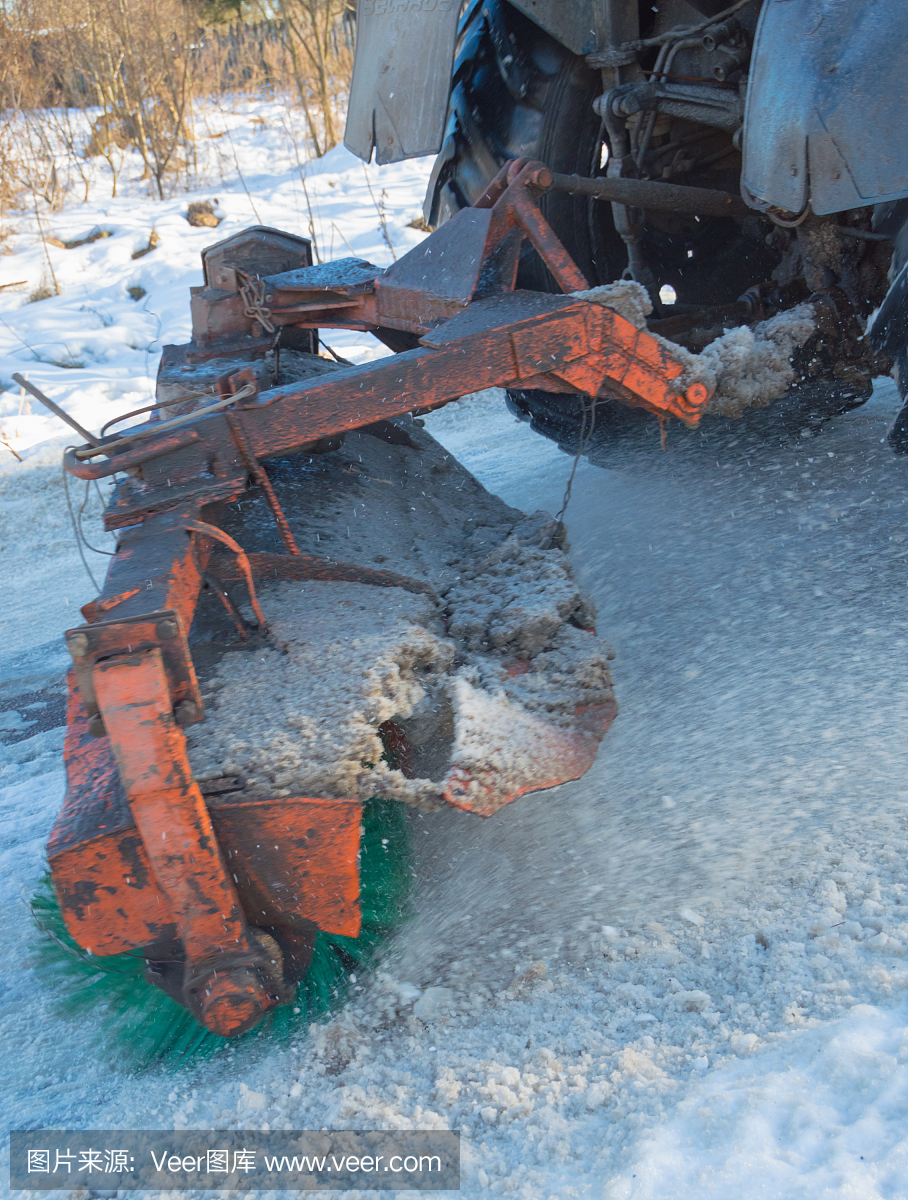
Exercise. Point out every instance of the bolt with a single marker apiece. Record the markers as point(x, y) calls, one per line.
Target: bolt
point(233, 1001)
point(186, 713)
point(167, 630)
point(77, 644)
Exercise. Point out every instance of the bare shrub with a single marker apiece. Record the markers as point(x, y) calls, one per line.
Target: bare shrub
point(139, 56)
point(112, 78)
point(321, 48)
point(310, 42)
point(42, 292)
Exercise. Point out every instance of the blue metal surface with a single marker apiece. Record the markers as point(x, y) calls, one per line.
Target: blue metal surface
point(825, 120)
point(581, 25)
point(344, 275)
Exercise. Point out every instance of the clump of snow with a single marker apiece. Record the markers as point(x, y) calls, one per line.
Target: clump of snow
point(627, 297)
point(433, 1003)
point(301, 715)
point(520, 594)
point(502, 749)
point(748, 366)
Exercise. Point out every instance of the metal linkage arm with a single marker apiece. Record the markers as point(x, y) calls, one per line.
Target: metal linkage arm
point(516, 339)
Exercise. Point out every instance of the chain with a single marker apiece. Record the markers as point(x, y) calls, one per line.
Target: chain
point(587, 428)
point(253, 293)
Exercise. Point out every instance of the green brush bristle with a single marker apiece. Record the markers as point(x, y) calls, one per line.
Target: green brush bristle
point(140, 1025)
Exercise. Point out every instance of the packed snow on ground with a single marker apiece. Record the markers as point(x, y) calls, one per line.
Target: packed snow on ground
point(683, 975)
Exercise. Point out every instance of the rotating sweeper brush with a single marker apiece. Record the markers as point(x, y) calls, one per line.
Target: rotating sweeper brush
point(273, 649)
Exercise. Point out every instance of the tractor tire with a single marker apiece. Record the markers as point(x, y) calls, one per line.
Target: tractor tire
point(517, 92)
point(889, 332)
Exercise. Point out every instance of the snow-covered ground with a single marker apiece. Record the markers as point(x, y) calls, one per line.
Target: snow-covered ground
point(94, 346)
point(683, 975)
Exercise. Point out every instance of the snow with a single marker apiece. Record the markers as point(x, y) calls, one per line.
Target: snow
point(116, 340)
point(685, 973)
point(747, 367)
point(491, 681)
point(827, 1122)
point(312, 728)
point(751, 367)
point(625, 296)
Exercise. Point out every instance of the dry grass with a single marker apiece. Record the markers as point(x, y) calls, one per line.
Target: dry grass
point(111, 79)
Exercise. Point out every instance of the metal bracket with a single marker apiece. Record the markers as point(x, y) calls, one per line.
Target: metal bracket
point(90, 645)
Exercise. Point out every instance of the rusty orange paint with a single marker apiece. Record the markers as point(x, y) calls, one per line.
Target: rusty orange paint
point(95, 609)
point(156, 567)
point(293, 859)
point(218, 535)
point(508, 197)
point(571, 758)
point(164, 630)
point(232, 1003)
point(109, 896)
point(169, 812)
point(296, 860)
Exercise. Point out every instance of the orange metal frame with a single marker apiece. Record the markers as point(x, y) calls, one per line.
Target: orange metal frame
point(139, 855)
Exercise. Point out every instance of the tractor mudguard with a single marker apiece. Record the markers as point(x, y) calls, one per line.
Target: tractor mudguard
point(401, 77)
point(402, 69)
point(580, 26)
point(825, 122)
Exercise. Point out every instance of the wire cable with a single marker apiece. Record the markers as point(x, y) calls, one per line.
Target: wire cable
point(589, 413)
point(72, 517)
point(686, 30)
point(110, 553)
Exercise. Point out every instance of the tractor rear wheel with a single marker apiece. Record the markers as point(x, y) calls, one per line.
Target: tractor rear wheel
point(517, 92)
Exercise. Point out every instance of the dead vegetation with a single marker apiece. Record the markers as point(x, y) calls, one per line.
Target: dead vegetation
point(119, 81)
point(95, 236)
point(202, 215)
point(153, 238)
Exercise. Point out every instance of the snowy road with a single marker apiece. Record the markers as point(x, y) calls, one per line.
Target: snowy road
point(680, 976)
point(753, 585)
